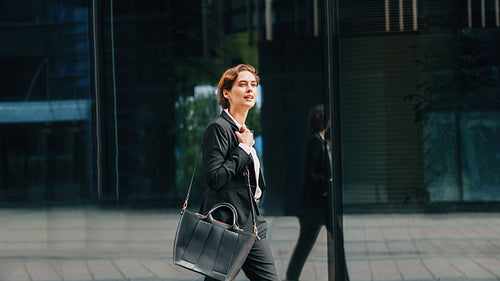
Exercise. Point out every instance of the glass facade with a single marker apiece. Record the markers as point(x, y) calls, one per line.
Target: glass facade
point(104, 104)
point(46, 104)
point(419, 94)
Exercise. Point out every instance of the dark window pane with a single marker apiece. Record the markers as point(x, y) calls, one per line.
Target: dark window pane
point(45, 106)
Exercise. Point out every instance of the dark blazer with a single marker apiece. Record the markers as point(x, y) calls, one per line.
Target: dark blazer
point(317, 176)
point(224, 164)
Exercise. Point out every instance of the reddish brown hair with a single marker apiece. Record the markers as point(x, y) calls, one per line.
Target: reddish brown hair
point(227, 80)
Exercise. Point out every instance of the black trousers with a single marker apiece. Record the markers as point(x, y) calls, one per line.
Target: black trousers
point(259, 265)
point(310, 226)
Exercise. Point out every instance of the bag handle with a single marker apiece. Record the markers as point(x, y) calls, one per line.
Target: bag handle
point(230, 207)
point(247, 173)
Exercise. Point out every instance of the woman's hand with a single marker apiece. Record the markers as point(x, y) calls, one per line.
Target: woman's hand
point(245, 136)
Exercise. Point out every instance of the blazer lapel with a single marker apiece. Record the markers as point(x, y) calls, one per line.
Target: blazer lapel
point(229, 120)
point(233, 125)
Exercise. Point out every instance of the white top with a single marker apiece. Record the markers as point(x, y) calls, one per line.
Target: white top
point(251, 151)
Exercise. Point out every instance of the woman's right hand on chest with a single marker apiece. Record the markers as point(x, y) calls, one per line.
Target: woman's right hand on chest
point(245, 136)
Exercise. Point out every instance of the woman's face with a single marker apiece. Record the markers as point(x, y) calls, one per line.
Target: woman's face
point(243, 93)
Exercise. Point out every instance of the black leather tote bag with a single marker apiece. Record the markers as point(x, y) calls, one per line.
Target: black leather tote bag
point(210, 247)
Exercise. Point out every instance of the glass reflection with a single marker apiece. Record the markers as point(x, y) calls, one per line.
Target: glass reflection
point(45, 105)
point(313, 208)
point(417, 136)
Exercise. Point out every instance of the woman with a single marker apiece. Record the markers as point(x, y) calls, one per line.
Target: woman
point(228, 157)
point(317, 177)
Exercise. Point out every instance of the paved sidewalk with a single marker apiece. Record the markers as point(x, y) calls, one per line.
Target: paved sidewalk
point(463, 246)
point(83, 244)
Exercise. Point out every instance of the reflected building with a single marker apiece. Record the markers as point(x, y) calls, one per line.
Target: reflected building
point(104, 102)
point(89, 97)
point(415, 124)
point(45, 105)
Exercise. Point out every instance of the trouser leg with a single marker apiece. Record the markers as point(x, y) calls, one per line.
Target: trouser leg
point(259, 265)
point(309, 230)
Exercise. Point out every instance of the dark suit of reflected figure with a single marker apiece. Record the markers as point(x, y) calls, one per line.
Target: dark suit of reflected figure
point(313, 213)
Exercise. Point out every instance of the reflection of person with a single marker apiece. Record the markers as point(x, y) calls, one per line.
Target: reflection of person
point(228, 155)
point(317, 176)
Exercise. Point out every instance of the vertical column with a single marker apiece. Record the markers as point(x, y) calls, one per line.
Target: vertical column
point(269, 20)
point(469, 13)
point(337, 269)
point(401, 16)
point(315, 18)
point(48, 187)
point(497, 13)
point(96, 32)
point(415, 15)
point(387, 16)
point(483, 14)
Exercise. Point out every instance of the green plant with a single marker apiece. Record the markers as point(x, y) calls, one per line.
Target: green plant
point(194, 113)
point(452, 103)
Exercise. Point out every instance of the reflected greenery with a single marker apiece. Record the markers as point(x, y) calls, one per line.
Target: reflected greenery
point(194, 113)
point(455, 113)
point(190, 78)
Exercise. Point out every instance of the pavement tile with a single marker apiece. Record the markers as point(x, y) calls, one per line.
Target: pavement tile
point(413, 269)
point(485, 247)
point(450, 247)
point(442, 269)
point(477, 231)
point(159, 268)
point(164, 268)
point(357, 249)
point(401, 248)
point(13, 271)
point(384, 270)
point(491, 265)
point(425, 248)
point(103, 269)
point(353, 222)
point(395, 233)
point(377, 249)
point(132, 268)
point(374, 234)
point(42, 270)
point(359, 270)
point(470, 268)
point(354, 234)
point(173, 270)
point(417, 232)
point(313, 271)
point(72, 270)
